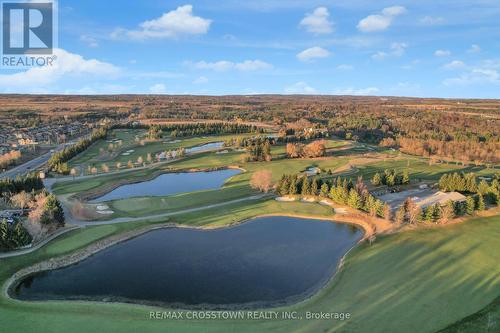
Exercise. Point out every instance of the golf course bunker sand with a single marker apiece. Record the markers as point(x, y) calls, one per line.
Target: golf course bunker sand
point(266, 261)
point(171, 183)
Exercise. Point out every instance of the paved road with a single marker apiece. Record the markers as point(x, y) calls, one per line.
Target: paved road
point(39, 245)
point(71, 220)
point(34, 163)
point(76, 224)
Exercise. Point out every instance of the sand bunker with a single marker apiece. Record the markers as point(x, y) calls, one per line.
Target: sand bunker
point(105, 212)
point(285, 199)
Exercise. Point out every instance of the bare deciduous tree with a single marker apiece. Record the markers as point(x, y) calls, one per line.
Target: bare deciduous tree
point(262, 180)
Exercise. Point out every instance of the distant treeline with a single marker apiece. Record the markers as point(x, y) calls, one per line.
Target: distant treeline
point(27, 183)
point(194, 129)
point(58, 161)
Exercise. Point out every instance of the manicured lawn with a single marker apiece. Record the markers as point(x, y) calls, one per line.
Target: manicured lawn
point(417, 281)
point(98, 153)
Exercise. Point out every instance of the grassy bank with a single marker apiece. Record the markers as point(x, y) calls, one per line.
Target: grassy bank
point(418, 281)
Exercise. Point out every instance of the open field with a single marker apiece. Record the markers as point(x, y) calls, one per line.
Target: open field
point(410, 276)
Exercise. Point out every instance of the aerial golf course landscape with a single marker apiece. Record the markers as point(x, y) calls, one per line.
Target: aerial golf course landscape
point(389, 276)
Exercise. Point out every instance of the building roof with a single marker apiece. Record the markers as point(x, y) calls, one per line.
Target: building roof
point(439, 198)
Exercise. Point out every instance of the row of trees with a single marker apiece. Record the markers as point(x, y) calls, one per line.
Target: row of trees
point(339, 190)
point(411, 213)
point(391, 178)
point(182, 130)
point(155, 132)
point(58, 161)
point(312, 150)
point(13, 236)
point(467, 182)
point(27, 183)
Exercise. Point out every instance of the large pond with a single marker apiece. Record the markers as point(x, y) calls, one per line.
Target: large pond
point(171, 183)
point(263, 262)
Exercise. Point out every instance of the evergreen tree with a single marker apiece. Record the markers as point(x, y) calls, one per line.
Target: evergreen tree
point(480, 203)
point(400, 215)
point(324, 190)
point(406, 177)
point(305, 188)
point(428, 214)
point(314, 187)
point(436, 212)
point(293, 186)
point(354, 199)
point(377, 179)
point(483, 188)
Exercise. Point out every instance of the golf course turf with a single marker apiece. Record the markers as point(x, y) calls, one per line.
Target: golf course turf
point(425, 280)
point(416, 281)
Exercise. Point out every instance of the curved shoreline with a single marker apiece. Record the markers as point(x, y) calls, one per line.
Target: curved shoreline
point(80, 255)
point(94, 194)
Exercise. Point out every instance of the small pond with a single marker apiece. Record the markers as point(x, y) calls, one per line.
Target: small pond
point(263, 262)
point(206, 146)
point(171, 183)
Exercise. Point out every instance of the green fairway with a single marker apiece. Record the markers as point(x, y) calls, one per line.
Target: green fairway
point(417, 281)
point(131, 149)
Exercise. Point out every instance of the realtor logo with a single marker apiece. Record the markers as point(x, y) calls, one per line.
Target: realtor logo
point(28, 30)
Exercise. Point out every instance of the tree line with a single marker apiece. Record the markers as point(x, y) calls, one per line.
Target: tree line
point(467, 183)
point(58, 161)
point(13, 236)
point(391, 178)
point(339, 190)
point(26, 183)
point(409, 212)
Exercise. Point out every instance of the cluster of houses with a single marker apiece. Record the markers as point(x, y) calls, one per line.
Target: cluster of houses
point(12, 138)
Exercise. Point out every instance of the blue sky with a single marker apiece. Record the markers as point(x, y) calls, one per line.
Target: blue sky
point(437, 48)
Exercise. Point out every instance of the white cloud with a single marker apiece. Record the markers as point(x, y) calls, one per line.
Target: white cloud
point(200, 80)
point(345, 67)
point(158, 88)
point(357, 92)
point(67, 65)
point(317, 22)
point(442, 53)
point(176, 23)
point(474, 49)
point(431, 20)
point(475, 76)
point(455, 64)
point(90, 41)
point(394, 11)
point(484, 73)
point(396, 50)
point(313, 53)
point(224, 65)
point(252, 65)
point(300, 88)
point(380, 22)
